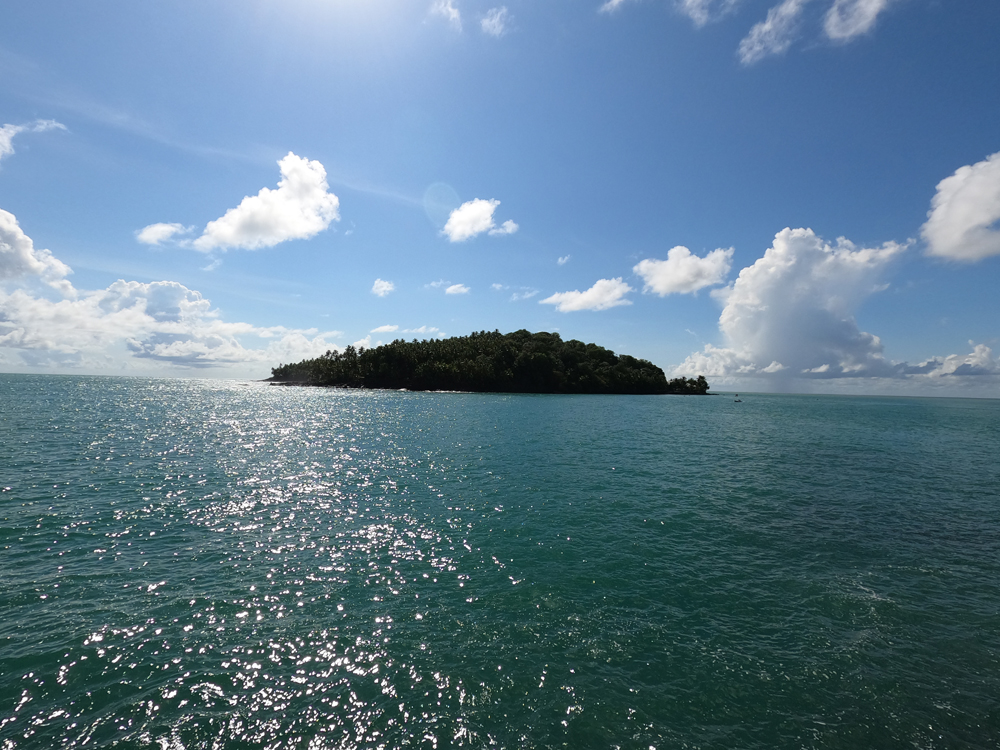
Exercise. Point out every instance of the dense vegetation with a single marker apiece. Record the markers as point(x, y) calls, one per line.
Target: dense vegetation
point(519, 362)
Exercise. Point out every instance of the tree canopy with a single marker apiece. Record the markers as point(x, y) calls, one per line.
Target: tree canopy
point(492, 362)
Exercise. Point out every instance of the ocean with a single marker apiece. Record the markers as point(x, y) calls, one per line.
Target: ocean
point(205, 564)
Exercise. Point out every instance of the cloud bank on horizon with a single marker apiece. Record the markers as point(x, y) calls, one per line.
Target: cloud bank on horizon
point(160, 322)
point(791, 315)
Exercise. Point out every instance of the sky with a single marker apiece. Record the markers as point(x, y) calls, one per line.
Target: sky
point(784, 195)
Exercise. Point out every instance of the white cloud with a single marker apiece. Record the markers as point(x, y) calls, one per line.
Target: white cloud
point(495, 21)
point(610, 6)
point(366, 343)
point(381, 288)
point(154, 234)
point(604, 294)
point(20, 258)
point(704, 11)
point(508, 227)
point(977, 364)
point(162, 323)
point(385, 329)
point(962, 222)
point(425, 331)
point(7, 133)
point(300, 208)
point(526, 294)
point(792, 311)
point(791, 316)
point(773, 35)
point(847, 19)
point(475, 217)
point(447, 10)
point(682, 272)
point(562, 260)
point(457, 289)
point(699, 11)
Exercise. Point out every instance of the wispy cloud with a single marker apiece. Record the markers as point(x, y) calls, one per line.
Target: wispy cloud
point(611, 6)
point(447, 10)
point(457, 289)
point(495, 21)
point(7, 133)
point(773, 35)
point(562, 260)
point(847, 19)
point(705, 11)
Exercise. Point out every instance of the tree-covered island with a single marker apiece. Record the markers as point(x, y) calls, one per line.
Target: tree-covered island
point(488, 362)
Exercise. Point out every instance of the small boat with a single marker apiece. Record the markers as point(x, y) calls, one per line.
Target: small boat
point(738, 400)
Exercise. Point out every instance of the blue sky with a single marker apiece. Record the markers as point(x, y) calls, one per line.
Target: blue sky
point(796, 195)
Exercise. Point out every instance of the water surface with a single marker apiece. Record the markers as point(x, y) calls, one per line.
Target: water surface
point(192, 564)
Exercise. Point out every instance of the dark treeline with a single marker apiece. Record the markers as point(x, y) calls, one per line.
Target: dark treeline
point(519, 362)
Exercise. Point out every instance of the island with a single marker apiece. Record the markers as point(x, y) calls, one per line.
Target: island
point(487, 362)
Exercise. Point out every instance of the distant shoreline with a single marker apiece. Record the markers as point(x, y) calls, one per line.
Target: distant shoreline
point(488, 362)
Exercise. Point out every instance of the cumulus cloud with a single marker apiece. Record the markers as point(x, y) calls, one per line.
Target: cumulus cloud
point(793, 311)
point(161, 321)
point(774, 34)
point(20, 258)
point(683, 272)
point(494, 22)
point(847, 19)
point(381, 288)
point(965, 210)
point(604, 294)
point(385, 329)
point(562, 260)
point(978, 363)
point(7, 133)
point(457, 289)
point(158, 322)
point(475, 217)
point(447, 10)
point(299, 208)
point(508, 227)
point(154, 234)
point(366, 343)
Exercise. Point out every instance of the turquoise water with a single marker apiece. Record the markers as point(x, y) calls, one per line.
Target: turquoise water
point(192, 564)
